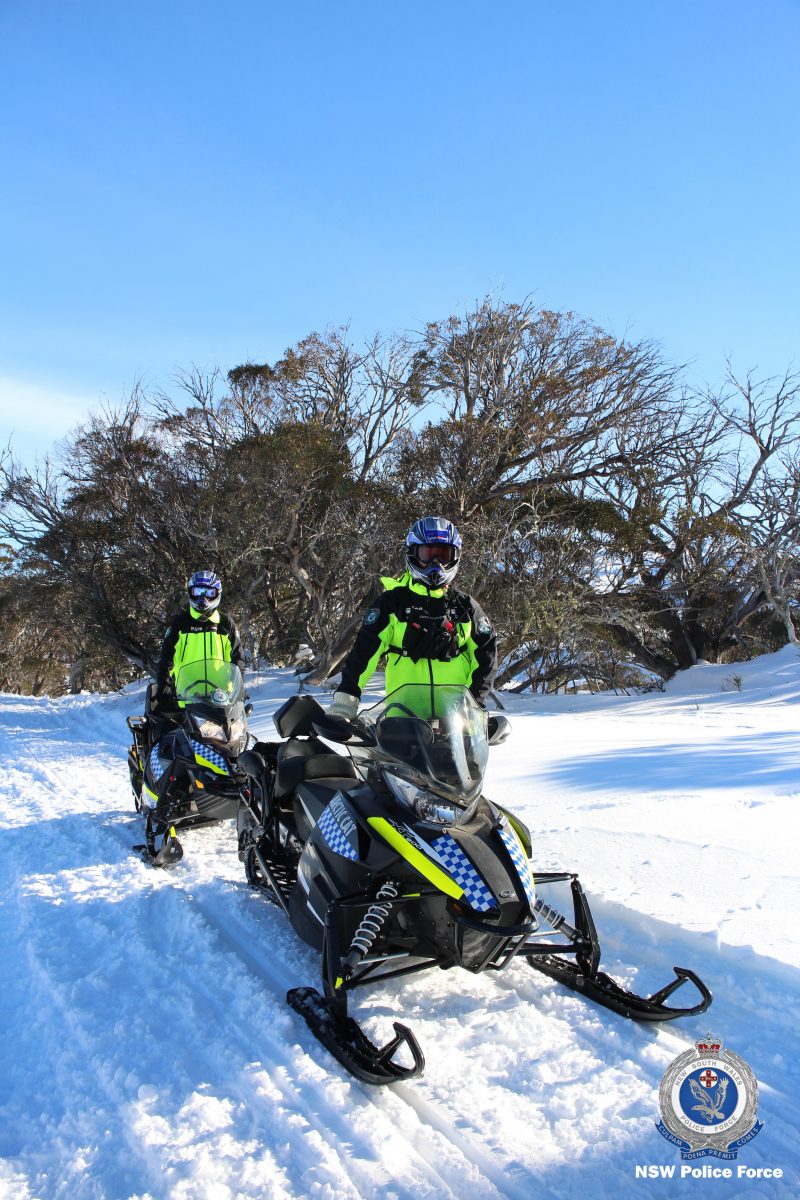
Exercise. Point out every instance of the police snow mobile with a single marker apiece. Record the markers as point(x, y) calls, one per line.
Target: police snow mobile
point(183, 765)
point(389, 860)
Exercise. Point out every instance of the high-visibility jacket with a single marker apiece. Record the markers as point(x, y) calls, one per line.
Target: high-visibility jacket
point(406, 605)
point(195, 638)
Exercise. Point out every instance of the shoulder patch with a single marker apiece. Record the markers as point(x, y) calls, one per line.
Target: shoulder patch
point(483, 626)
point(371, 616)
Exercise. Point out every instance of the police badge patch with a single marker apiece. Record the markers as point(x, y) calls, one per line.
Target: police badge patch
point(371, 616)
point(708, 1100)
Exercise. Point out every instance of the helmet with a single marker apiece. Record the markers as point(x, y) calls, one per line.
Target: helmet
point(433, 550)
point(205, 591)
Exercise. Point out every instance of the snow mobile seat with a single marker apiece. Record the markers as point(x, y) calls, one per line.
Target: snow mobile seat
point(306, 759)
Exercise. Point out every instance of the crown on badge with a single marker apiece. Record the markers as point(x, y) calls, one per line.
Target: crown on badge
point(708, 1045)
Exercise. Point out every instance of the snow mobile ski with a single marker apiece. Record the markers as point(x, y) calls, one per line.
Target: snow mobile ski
point(168, 854)
point(604, 990)
point(583, 974)
point(347, 1042)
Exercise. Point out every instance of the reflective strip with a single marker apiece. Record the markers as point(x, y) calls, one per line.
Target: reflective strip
point(156, 769)
point(418, 860)
point(149, 797)
point(204, 762)
point(208, 757)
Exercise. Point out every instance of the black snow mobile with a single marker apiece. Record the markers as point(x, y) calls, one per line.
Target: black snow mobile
point(183, 762)
point(389, 860)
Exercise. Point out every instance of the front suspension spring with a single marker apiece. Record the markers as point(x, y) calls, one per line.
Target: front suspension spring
point(554, 918)
point(371, 923)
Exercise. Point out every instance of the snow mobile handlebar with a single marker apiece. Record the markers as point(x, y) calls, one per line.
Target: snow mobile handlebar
point(339, 729)
point(499, 728)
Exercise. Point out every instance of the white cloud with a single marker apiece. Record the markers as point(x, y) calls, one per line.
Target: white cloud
point(35, 416)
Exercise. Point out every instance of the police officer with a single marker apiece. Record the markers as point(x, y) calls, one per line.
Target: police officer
point(200, 634)
point(428, 631)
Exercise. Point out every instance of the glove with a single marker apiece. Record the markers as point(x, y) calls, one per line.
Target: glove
point(343, 705)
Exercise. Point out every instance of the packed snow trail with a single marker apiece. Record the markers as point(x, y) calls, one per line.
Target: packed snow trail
point(149, 1052)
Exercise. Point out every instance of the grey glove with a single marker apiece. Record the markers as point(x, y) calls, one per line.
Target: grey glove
point(343, 705)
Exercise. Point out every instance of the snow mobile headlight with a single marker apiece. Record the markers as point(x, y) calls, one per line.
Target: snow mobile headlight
point(427, 805)
point(238, 739)
point(211, 731)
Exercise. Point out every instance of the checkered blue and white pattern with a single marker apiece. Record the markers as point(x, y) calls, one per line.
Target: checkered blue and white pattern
point(476, 893)
point(156, 763)
point(210, 755)
point(329, 828)
point(514, 847)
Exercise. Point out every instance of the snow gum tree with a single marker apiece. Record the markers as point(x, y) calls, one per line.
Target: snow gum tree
point(616, 527)
point(706, 527)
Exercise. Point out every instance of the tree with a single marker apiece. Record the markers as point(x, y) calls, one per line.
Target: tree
point(683, 582)
point(613, 523)
point(533, 400)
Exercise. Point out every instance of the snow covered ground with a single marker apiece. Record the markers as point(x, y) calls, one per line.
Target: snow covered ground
point(147, 1050)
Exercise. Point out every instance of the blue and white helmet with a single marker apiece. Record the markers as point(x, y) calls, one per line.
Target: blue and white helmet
point(433, 551)
point(205, 591)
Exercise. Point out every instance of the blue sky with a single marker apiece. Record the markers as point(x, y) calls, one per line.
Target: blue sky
point(204, 183)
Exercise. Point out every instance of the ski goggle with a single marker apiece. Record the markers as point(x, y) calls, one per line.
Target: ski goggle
point(200, 593)
point(437, 553)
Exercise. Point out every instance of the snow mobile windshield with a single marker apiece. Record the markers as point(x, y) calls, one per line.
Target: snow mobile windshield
point(434, 735)
point(209, 681)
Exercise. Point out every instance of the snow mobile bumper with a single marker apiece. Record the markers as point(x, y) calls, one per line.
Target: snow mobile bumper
point(136, 756)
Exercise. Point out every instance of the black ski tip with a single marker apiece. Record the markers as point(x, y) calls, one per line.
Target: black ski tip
point(171, 852)
point(347, 1042)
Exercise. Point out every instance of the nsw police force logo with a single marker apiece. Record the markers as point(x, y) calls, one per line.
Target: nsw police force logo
point(708, 1099)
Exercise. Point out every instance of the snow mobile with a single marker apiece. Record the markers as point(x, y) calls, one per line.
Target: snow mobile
point(389, 860)
point(183, 761)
